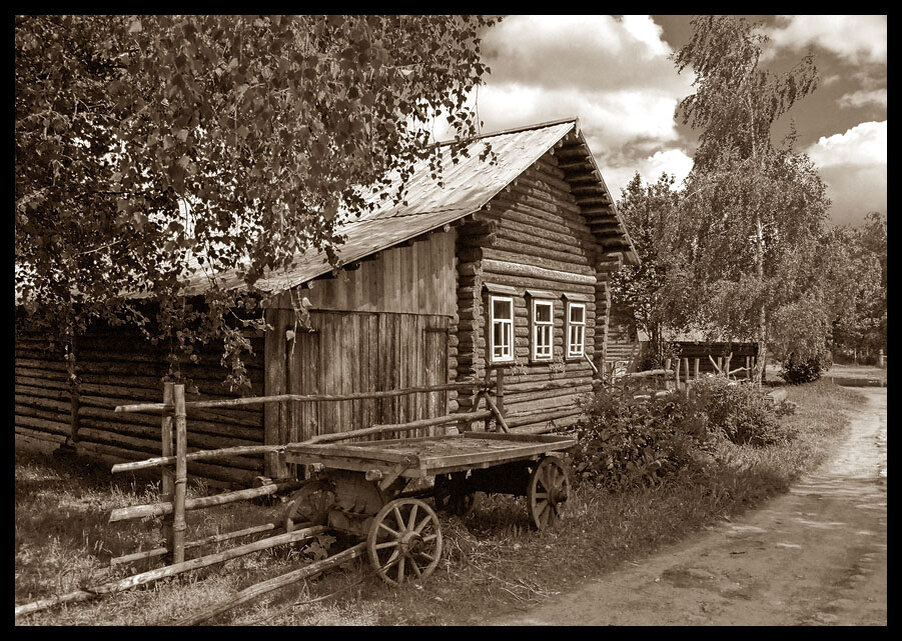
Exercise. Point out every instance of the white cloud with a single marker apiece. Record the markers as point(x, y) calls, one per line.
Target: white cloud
point(856, 38)
point(853, 164)
point(862, 98)
point(611, 73)
point(672, 161)
point(863, 144)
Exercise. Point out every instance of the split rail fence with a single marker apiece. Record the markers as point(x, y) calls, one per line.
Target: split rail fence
point(174, 464)
point(676, 374)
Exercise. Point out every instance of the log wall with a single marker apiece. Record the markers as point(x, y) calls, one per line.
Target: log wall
point(532, 235)
point(116, 367)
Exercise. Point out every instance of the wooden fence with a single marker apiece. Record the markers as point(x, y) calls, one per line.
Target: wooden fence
point(679, 374)
point(175, 504)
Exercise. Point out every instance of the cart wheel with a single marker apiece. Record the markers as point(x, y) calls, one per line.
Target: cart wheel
point(404, 541)
point(547, 492)
point(450, 496)
point(310, 504)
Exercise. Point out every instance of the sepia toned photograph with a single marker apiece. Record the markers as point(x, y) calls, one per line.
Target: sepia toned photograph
point(450, 320)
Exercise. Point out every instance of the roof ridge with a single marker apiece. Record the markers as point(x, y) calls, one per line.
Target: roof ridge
point(512, 130)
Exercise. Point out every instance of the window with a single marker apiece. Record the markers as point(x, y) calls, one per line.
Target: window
point(542, 326)
point(576, 330)
point(501, 319)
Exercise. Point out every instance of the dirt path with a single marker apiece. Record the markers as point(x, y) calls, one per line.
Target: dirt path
point(812, 557)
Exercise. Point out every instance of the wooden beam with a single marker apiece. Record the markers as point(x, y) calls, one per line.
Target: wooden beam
point(593, 200)
point(583, 178)
point(258, 589)
point(169, 570)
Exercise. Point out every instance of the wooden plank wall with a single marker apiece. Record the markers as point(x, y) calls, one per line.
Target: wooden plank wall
point(346, 352)
point(531, 236)
point(414, 279)
point(117, 366)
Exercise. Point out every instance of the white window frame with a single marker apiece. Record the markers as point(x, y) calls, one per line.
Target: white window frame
point(508, 354)
point(576, 329)
point(543, 327)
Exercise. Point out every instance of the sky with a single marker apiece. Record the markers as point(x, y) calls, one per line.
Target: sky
point(613, 73)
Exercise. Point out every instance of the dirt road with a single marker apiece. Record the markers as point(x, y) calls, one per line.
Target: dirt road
point(816, 556)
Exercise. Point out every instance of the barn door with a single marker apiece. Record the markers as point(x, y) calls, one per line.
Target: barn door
point(359, 352)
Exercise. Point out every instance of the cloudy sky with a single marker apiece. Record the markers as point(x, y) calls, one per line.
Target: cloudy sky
point(615, 75)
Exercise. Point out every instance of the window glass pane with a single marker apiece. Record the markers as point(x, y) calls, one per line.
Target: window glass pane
point(577, 314)
point(501, 308)
point(543, 313)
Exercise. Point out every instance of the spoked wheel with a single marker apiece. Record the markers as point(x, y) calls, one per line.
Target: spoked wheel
point(405, 541)
point(547, 492)
point(451, 495)
point(310, 504)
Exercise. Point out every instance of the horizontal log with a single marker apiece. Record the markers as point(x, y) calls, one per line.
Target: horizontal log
point(169, 570)
point(159, 407)
point(540, 196)
point(43, 424)
point(525, 245)
point(159, 509)
point(215, 474)
point(39, 435)
point(518, 269)
point(582, 268)
point(215, 538)
point(254, 591)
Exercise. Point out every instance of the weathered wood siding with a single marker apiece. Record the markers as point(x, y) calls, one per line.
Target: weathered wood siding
point(347, 352)
point(382, 326)
point(531, 236)
point(416, 279)
point(117, 366)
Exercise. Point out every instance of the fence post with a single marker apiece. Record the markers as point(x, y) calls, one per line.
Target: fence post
point(167, 473)
point(499, 389)
point(181, 475)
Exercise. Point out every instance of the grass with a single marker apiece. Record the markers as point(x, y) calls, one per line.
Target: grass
point(492, 563)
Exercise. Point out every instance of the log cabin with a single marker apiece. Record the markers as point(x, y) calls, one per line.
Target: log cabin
point(500, 262)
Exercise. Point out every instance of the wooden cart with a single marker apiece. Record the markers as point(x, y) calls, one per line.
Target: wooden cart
point(360, 489)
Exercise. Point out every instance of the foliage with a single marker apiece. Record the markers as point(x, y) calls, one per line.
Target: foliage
point(152, 148)
point(739, 412)
point(752, 211)
point(797, 371)
point(628, 441)
point(651, 290)
point(853, 269)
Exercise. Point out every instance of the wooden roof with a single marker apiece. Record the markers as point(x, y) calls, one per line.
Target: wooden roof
point(463, 189)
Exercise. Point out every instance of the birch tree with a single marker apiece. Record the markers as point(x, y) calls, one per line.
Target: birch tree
point(752, 209)
point(150, 147)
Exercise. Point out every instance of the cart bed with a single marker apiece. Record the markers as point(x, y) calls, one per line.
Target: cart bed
point(419, 457)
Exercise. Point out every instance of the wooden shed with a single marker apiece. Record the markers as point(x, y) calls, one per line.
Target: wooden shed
point(502, 262)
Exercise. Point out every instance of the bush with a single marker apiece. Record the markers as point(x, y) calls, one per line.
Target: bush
point(627, 441)
point(739, 412)
point(796, 371)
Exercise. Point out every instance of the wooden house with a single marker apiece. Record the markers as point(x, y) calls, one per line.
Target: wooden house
point(502, 262)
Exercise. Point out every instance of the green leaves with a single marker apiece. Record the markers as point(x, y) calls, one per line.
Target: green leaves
point(147, 143)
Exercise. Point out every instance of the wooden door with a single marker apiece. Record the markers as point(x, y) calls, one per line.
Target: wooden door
point(363, 352)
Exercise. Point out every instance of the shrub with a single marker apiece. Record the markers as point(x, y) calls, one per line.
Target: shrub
point(627, 441)
point(796, 371)
point(740, 412)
